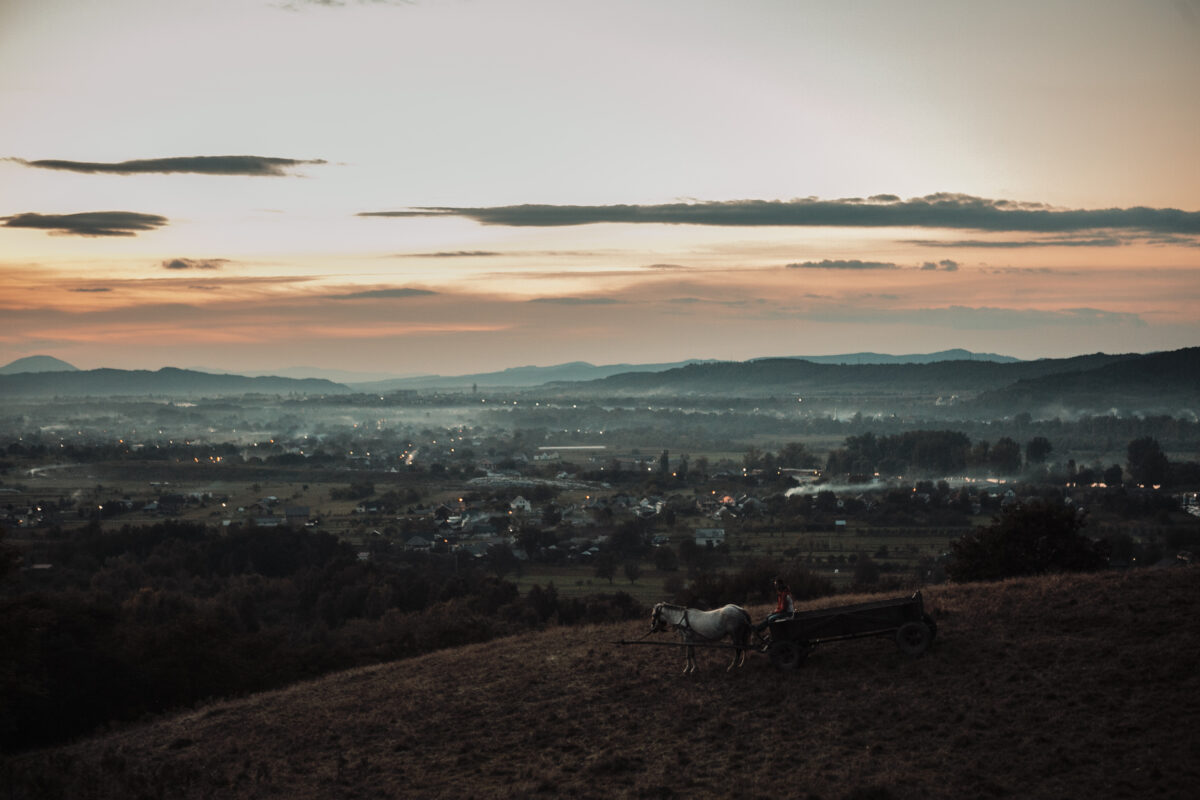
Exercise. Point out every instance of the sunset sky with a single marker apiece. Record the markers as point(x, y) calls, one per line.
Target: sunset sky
point(455, 186)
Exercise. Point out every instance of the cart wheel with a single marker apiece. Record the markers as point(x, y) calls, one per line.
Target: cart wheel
point(787, 654)
point(913, 638)
point(928, 620)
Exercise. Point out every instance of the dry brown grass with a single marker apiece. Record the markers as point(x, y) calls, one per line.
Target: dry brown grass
point(1064, 686)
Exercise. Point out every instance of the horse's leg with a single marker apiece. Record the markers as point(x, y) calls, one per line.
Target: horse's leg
point(736, 638)
point(744, 634)
point(691, 660)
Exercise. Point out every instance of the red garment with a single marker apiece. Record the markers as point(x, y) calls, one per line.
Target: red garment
point(784, 606)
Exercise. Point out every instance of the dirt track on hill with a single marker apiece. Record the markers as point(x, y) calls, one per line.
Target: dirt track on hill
point(1062, 686)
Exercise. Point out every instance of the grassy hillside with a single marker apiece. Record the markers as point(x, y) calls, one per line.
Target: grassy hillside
point(1064, 686)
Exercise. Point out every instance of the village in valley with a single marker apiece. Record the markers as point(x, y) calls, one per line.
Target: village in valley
point(538, 504)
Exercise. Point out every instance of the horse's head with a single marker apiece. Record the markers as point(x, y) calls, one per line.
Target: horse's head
point(656, 620)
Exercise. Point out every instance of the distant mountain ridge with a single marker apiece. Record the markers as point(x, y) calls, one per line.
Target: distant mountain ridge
point(515, 377)
point(1160, 383)
point(342, 376)
point(37, 364)
point(167, 381)
point(1166, 383)
point(576, 371)
point(955, 354)
point(773, 376)
point(1156, 381)
point(512, 377)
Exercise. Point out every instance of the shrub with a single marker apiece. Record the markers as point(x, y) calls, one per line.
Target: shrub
point(1026, 539)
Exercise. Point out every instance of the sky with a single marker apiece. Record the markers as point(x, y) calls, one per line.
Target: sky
point(459, 186)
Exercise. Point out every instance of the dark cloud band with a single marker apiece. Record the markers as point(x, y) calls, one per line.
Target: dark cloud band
point(195, 263)
point(852, 264)
point(983, 244)
point(576, 301)
point(91, 223)
point(254, 166)
point(459, 254)
point(382, 293)
point(954, 211)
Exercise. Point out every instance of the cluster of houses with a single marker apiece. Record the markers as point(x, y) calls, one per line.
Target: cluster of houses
point(29, 515)
point(581, 529)
point(47, 513)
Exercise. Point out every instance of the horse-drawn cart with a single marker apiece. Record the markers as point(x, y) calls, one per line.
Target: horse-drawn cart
point(792, 637)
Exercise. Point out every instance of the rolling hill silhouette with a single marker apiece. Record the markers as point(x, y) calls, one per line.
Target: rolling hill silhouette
point(1157, 380)
point(774, 376)
point(168, 381)
point(1166, 382)
point(37, 364)
point(1046, 687)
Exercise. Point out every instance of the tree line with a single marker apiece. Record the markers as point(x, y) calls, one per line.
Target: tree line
point(145, 619)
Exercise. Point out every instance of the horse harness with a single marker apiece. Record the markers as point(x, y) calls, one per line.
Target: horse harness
point(686, 627)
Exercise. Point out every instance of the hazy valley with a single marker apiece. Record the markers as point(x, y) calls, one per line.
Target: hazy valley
point(203, 537)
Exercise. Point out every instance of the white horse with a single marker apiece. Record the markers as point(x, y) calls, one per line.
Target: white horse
point(695, 625)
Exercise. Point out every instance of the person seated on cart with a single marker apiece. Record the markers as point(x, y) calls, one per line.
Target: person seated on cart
point(785, 606)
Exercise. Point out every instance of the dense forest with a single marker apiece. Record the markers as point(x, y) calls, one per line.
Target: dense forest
point(139, 620)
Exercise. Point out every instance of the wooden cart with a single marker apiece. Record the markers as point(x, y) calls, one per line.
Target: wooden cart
point(791, 638)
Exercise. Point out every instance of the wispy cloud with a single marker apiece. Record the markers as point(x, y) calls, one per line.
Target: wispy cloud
point(942, 210)
point(92, 290)
point(1029, 271)
point(852, 264)
point(254, 166)
point(1057, 241)
point(409, 213)
point(90, 223)
point(375, 294)
point(295, 5)
point(195, 263)
point(1173, 239)
point(456, 254)
point(577, 301)
point(492, 253)
point(959, 317)
point(1007, 318)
